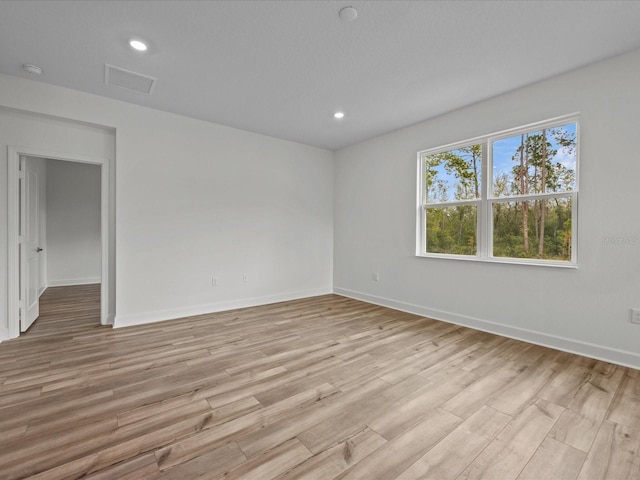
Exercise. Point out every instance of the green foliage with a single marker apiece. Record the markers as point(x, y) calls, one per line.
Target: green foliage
point(463, 165)
point(535, 171)
point(508, 236)
point(452, 230)
point(533, 228)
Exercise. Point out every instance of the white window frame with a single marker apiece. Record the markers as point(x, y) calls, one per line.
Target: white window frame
point(484, 227)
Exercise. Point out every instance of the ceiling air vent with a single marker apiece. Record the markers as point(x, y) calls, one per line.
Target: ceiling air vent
point(120, 77)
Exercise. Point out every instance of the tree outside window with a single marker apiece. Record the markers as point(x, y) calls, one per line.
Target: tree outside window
point(506, 196)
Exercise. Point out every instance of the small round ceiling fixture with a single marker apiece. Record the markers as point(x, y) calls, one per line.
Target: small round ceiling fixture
point(338, 115)
point(32, 69)
point(348, 14)
point(138, 45)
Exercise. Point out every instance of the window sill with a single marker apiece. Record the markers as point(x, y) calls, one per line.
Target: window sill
point(507, 261)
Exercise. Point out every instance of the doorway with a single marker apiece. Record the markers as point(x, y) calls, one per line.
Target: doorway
point(18, 296)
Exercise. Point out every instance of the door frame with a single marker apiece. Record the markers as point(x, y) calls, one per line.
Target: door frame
point(13, 218)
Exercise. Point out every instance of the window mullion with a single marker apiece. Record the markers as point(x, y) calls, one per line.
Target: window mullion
point(484, 218)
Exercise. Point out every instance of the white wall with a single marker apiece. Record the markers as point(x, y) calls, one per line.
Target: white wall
point(196, 200)
point(585, 309)
point(73, 223)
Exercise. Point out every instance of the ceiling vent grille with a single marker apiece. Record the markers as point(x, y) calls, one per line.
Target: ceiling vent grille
point(119, 77)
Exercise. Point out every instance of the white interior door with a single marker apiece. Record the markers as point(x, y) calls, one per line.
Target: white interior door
point(30, 248)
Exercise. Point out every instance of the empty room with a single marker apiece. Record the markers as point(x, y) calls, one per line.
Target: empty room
point(319, 239)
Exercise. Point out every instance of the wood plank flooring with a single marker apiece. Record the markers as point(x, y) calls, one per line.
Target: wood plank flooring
point(322, 388)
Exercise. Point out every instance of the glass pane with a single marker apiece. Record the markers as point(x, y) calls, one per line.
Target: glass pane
point(453, 175)
point(533, 229)
point(452, 230)
point(535, 162)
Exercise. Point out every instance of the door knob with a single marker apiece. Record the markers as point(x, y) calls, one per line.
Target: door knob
point(39, 249)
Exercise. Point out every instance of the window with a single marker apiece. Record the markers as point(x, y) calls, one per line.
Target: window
point(510, 196)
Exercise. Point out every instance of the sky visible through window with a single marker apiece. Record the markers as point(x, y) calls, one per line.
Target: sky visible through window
point(454, 175)
point(505, 149)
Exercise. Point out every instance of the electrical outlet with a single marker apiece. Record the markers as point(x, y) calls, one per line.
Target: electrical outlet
point(245, 278)
point(635, 315)
point(375, 276)
point(214, 282)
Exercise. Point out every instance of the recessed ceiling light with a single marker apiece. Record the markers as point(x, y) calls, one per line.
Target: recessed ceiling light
point(33, 69)
point(348, 14)
point(338, 115)
point(138, 45)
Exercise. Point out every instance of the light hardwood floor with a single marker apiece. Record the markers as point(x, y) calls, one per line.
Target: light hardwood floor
point(322, 388)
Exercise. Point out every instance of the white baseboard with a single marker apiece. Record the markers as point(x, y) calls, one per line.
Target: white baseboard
point(108, 321)
point(162, 315)
point(599, 352)
point(73, 281)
